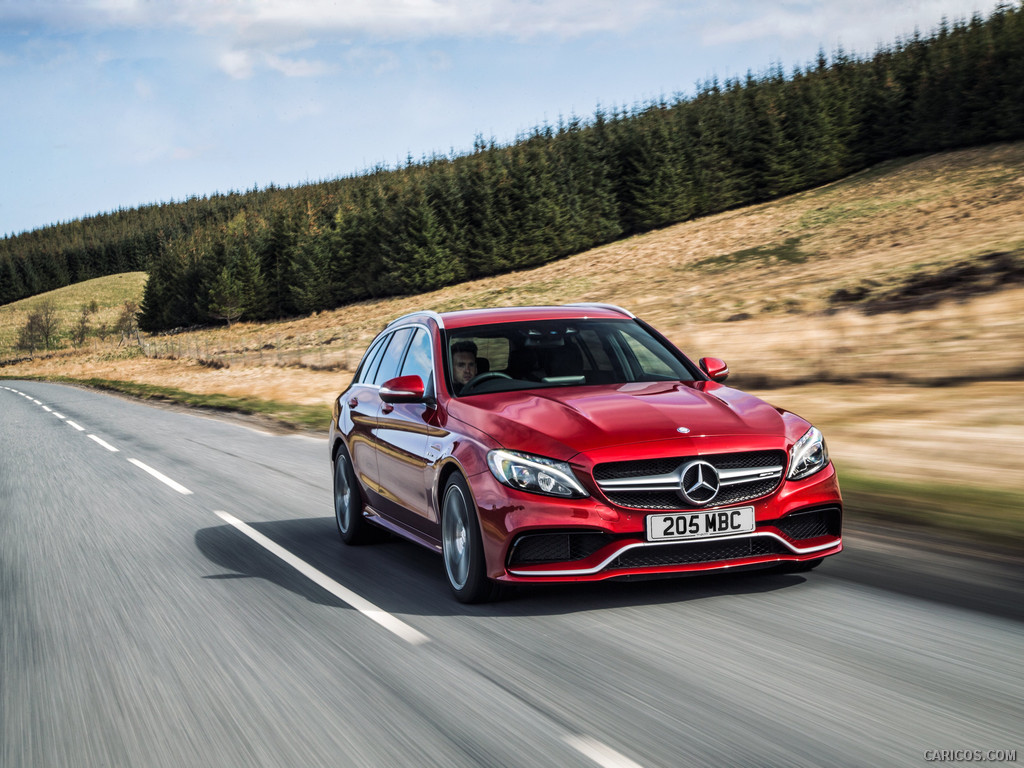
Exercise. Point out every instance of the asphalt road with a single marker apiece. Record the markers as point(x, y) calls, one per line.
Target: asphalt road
point(145, 624)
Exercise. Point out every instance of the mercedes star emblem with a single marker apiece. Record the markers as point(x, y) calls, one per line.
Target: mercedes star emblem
point(699, 483)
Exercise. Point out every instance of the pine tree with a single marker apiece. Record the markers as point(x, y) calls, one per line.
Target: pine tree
point(227, 299)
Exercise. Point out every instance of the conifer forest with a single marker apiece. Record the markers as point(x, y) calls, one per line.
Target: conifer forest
point(281, 252)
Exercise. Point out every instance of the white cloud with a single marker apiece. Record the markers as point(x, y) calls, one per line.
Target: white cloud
point(184, 154)
point(295, 67)
point(858, 25)
point(241, 64)
point(377, 60)
point(237, 64)
point(389, 19)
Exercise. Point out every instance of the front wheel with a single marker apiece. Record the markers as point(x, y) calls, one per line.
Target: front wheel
point(348, 505)
point(461, 545)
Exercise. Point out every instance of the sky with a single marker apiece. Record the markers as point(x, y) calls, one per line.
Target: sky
point(111, 104)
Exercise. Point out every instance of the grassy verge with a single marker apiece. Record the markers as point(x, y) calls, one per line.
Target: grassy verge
point(302, 417)
point(973, 513)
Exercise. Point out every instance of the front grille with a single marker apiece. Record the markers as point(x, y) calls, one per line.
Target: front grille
point(617, 469)
point(646, 499)
point(692, 553)
point(534, 548)
point(640, 467)
point(662, 492)
point(810, 523)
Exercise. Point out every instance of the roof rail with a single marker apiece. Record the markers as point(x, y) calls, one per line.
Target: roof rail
point(427, 312)
point(597, 304)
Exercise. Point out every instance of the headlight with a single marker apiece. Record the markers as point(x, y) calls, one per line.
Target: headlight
point(535, 474)
point(808, 455)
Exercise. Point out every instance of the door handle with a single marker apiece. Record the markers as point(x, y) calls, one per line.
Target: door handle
point(387, 408)
point(353, 402)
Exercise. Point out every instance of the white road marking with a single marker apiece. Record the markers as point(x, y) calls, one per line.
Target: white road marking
point(48, 409)
point(365, 607)
point(104, 443)
point(160, 476)
point(347, 596)
point(600, 753)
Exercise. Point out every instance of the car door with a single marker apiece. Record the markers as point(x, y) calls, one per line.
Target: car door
point(365, 404)
point(362, 403)
point(405, 433)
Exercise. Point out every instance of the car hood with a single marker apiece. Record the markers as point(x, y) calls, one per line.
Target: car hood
point(561, 422)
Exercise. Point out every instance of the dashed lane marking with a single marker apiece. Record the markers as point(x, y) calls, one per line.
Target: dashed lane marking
point(161, 477)
point(104, 443)
point(600, 753)
point(364, 606)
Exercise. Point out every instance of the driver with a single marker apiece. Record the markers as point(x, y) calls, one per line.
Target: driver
point(463, 363)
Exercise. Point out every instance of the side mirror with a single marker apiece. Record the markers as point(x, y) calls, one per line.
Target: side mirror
point(403, 389)
point(716, 369)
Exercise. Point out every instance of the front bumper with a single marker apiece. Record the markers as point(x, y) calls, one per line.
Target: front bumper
point(528, 538)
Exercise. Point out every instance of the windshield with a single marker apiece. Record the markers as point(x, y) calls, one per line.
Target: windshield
point(557, 353)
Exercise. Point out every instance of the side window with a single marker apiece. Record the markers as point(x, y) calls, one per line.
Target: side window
point(392, 356)
point(370, 359)
point(418, 360)
point(654, 361)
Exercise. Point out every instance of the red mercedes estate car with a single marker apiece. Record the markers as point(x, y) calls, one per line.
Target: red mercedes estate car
point(572, 443)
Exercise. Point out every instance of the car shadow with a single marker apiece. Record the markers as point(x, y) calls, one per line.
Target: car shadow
point(403, 578)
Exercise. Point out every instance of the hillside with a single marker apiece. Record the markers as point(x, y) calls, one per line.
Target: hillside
point(557, 190)
point(870, 291)
point(105, 296)
point(910, 271)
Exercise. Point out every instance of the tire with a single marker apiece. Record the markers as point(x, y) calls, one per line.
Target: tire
point(348, 504)
point(461, 545)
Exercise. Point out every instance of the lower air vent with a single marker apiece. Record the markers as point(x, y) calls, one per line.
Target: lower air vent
point(811, 523)
point(534, 548)
point(699, 552)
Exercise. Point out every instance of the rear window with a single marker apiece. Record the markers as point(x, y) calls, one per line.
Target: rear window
point(370, 360)
point(392, 357)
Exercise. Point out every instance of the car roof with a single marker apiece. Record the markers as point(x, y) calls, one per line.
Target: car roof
point(468, 317)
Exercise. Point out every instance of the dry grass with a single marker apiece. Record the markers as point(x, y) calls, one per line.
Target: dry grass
point(109, 293)
point(957, 436)
point(775, 264)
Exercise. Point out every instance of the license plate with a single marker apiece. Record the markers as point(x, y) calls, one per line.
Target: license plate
point(700, 525)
